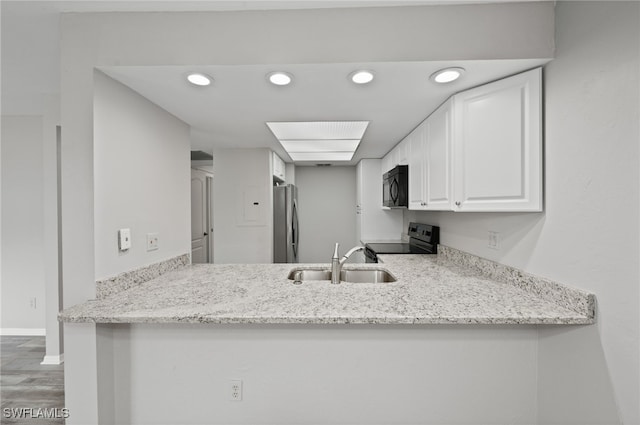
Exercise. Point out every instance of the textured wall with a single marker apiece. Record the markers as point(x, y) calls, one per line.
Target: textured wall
point(141, 179)
point(588, 234)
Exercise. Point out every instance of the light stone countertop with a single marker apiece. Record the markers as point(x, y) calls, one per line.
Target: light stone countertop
point(429, 290)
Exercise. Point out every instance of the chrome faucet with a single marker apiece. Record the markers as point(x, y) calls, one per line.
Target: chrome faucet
point(337, 262)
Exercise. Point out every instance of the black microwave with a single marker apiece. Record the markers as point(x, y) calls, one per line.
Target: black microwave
point(395, 187)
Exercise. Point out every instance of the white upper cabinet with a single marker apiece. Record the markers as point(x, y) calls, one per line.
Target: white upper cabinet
point(402, 153)
point(438, 136)
point(417, 168)
point(497, 137)
point(399, 155)
point(279, 171)
point(387, 161)
point(481, 150)
point(430, 184)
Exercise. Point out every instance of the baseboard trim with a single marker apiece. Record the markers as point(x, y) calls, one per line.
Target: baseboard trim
point(23, 331)
point(53, 360)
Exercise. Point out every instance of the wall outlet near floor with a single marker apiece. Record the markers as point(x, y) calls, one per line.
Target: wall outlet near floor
point(33, 302)
point(152, 241)
point(494, 240)
point(235, 390)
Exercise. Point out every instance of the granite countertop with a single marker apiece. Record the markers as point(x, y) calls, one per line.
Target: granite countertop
point(429, 290)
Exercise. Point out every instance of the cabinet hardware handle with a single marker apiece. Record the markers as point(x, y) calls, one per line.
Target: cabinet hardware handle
point(457, 203)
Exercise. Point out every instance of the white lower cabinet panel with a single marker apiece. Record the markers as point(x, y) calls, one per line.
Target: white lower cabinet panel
point(181, 374)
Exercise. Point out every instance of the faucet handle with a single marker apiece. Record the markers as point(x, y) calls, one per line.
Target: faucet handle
point(335, 252)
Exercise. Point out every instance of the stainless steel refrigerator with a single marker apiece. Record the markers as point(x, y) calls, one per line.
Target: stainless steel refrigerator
point(286, 233)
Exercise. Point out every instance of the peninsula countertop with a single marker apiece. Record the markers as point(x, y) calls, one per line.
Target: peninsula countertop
point(429, 290)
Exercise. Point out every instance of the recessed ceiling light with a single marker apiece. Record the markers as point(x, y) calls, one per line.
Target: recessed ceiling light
point(361, 77)
point(447, 75)
point(199, 79)
point(280, 78)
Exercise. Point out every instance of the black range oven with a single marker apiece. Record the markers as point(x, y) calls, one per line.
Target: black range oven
point(423, 239)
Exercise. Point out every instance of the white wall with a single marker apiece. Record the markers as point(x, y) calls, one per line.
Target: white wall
point(168, 374)
point(588, 235)
point(23, 272)
point(242, 229)
point(592, 143)
point(363, 35)
point(141, 179)
point(327, 211)
point(52, 230)
point(374, 223)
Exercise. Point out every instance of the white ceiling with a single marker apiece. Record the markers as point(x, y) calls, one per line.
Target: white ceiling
point(232, 112)
point(234, 109)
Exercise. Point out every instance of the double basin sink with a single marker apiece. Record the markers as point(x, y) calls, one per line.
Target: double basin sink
point(299, 275)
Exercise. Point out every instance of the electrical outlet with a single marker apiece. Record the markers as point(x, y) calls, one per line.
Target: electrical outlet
point(235, 390)
point(33, 302)
point(152, 241)
point(494, 240)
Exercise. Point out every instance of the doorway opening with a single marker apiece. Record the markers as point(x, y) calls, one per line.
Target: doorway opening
point(201, 207)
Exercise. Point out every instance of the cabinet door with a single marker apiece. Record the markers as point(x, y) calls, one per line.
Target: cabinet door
point(497, 145)
point(278, 167)
point(403, 151)
point(387, 162)
point(417, 163)
point(393, 158)
point(437, 168)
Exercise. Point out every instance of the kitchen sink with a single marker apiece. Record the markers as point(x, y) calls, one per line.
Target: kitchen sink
point(366, 276)
point(300, 275)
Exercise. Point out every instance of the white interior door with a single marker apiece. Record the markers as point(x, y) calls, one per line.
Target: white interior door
point(209, 220)
point(200, 221)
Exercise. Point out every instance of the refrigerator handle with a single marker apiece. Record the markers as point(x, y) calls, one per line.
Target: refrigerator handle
point(294, 227)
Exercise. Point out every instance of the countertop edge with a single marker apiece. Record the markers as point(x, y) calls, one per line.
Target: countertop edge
point(175, 307)
point(575, 299)
point(333, 321)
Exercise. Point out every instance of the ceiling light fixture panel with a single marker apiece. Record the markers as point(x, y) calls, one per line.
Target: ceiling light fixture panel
point(300, 146)
point(316, 130)
point(321, 156)
point(319, 140)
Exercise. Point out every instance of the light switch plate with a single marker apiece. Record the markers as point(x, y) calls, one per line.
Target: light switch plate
point(124, 239)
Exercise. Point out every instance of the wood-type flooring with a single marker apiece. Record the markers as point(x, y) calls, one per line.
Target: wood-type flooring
point(30, 393)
